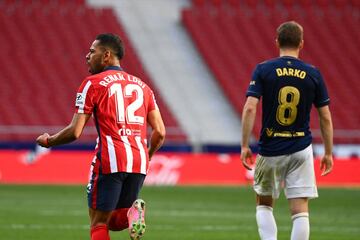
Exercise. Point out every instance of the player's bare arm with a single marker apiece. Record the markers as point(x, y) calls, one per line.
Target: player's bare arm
point(326, 127)
point(248, 119)
point(68, 134)
point(158, 131)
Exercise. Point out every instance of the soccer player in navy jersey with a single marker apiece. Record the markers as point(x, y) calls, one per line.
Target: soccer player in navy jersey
point(122, 106)
point(288, 87)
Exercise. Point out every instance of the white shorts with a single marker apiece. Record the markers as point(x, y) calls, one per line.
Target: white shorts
point(295, 172)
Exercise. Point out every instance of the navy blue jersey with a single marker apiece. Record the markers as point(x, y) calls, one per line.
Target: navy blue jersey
point(288, 87)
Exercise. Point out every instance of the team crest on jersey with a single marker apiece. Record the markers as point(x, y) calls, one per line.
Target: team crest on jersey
point(79, 99)
point(269, 132)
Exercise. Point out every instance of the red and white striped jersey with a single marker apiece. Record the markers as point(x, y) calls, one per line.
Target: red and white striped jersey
point(120, 104)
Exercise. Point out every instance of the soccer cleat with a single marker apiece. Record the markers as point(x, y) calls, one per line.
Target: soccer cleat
point(136, 218)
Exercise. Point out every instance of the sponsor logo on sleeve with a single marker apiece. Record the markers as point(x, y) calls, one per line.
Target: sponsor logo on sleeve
point(79, 99)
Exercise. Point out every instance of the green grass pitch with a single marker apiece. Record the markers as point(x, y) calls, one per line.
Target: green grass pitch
point(178, 213)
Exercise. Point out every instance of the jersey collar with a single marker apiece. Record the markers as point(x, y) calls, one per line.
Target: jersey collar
point(113, 68)
point(285, 56)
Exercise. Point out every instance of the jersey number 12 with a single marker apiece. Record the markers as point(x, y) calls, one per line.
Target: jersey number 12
point(127, 113)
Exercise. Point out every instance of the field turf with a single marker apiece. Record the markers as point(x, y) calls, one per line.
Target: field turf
point(181, 213)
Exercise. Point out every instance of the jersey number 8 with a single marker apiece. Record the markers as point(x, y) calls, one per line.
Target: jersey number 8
point(289, 98)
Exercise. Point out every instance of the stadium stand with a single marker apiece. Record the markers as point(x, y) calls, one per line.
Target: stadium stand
point(234, 35)
point(177, 70)
point(44, 44)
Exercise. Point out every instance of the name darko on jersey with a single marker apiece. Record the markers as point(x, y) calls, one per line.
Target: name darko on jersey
point(293, 72)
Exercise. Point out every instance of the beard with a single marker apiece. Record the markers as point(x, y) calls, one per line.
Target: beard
point(95, 68)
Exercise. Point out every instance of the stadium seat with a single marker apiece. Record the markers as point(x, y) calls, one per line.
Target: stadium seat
point(245, 37)
point(45, 44)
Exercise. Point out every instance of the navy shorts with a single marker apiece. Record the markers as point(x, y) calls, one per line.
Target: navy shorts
point(107, 192)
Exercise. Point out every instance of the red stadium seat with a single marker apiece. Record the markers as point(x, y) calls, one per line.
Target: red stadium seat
point(233, 3)
point(47, 42)
point(270, 3)
point(245, 38)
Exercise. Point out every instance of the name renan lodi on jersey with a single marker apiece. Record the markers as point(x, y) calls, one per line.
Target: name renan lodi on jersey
point(120, 77)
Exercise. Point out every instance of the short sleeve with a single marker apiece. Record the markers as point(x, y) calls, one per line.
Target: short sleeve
point(84, 98)
point(152, 102)
point(255, 88)
point(321, 94)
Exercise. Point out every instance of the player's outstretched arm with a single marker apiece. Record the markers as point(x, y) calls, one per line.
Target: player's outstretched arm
point(326, 127)
point(68, 134)
point(248, 119)
point(158, 131)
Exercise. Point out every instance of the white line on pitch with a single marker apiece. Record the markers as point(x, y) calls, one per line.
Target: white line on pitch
point(174, 227)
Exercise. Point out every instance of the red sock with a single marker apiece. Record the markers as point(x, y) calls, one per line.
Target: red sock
point(119, 220)
point(99, 232)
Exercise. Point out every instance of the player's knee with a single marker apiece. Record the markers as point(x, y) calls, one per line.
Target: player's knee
point(264, 201)
point(99, 218)
point(298, 205)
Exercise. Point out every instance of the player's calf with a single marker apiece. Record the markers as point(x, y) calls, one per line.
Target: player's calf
point(118, 220)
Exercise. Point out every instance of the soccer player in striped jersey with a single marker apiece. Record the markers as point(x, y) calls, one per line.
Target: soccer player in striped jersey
point(288, 87)
point(122, 105)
